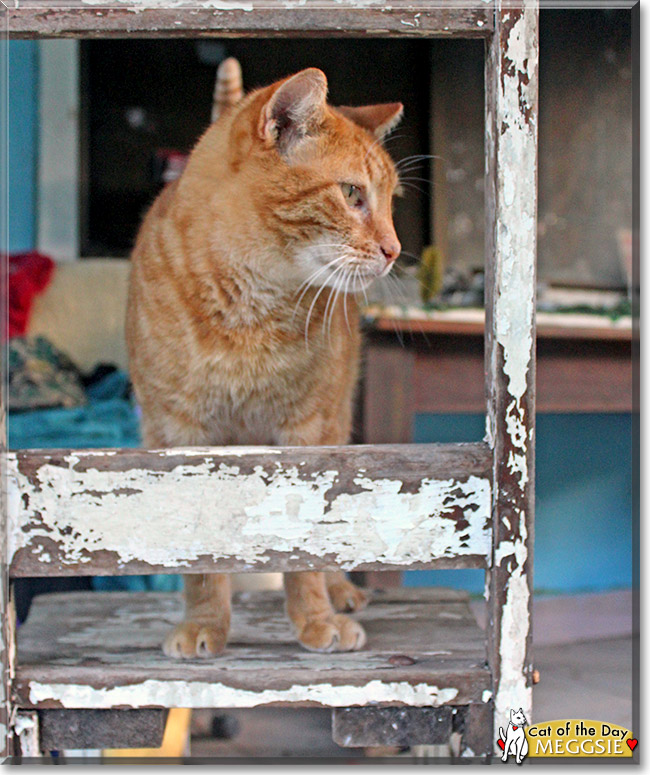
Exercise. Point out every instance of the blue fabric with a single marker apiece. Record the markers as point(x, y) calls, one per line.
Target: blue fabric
point(109, 420)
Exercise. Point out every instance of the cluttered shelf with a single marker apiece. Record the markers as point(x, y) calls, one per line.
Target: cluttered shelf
point(562, 312)
point(471, 321)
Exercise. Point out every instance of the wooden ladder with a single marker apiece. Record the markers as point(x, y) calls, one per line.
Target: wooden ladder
point(428, 670)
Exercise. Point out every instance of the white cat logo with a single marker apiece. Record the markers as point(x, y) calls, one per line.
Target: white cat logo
point(514, 740)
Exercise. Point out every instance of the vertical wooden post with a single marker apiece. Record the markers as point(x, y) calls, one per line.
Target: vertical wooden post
point(6, 622)
point(511, 236)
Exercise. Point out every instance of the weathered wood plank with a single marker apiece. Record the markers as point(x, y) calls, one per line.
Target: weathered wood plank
point(86, 728)
point(511, 218)
point(226, 18)
point(241, 509)
point(368, 727)
point(102, 650)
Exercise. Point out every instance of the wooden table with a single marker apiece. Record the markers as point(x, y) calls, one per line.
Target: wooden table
point(435, 364)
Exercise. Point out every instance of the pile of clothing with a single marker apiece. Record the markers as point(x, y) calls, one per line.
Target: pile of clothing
point(54, 405)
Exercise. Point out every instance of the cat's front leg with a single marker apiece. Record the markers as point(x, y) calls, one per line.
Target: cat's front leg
point(204, 631)
point(345, 595)
point(317, 626)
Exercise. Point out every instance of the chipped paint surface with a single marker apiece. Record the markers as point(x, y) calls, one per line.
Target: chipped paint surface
point(512, 138)
point(26, 728)
point(156, 18)
point(515, 624)
point(202, 508)
point(199, 694)
point(137, 6)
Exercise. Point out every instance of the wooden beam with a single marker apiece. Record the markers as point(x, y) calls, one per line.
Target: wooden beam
point(252, 18)
point(511, 241)
point(84, 512)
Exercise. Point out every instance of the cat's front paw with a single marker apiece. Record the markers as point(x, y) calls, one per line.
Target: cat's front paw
point(335, 633)
point(345, 596)
point(196, 639)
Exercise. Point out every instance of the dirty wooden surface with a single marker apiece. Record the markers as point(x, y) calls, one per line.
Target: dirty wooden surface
point(511, 241)
point(86, 728)
point(403, 727)
point(101, 650)
point(239, 509)
point(194, 18)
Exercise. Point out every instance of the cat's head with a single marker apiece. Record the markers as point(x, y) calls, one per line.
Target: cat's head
point(518, 718)
point(320, 180)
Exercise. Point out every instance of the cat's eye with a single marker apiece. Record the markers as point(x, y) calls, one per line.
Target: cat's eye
point(353, 195)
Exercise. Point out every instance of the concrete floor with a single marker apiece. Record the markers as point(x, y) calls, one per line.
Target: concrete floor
point(588, 680)
point(583, 652)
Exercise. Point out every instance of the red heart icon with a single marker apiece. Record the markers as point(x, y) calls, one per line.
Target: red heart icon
point(632, 741)
point(502, 745)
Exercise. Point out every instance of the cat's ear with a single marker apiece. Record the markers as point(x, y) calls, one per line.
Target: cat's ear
point(295, 109)
point(379, 120)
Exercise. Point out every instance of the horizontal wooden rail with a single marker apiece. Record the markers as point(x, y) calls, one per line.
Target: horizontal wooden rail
point(118, 512)
point(262, 18)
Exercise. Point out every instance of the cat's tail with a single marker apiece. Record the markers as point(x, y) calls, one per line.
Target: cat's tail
point(228, 88)
point(501, 734)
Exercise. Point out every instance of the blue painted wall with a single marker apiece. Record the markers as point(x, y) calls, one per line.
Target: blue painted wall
point(23, 143)
point(583, 522)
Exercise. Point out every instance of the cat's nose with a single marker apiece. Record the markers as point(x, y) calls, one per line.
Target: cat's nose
point(390, 249)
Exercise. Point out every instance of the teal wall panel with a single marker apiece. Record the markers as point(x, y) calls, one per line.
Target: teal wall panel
point(22, 107)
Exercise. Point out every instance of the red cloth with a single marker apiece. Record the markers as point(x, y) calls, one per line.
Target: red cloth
point(29, 275)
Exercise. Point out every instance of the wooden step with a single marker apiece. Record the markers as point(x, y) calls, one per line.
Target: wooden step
point(102, 650)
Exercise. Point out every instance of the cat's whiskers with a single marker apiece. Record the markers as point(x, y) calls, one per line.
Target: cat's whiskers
point(313, 303)
point(338, 286)
point(345, 299)
point(333, 283)
point(419, 157)
point(309, 282)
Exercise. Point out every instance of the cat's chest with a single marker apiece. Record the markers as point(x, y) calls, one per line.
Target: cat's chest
point(252, 386)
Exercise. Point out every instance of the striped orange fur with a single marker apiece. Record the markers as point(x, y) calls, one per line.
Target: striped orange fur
point(242, 323)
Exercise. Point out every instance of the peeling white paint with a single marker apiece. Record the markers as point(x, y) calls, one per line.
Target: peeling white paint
point(172, 518)
point(138, 6)
point(201, 694)
point(486, 696)
point(514, 315)
point(515, 624)
point(516, 225)
point(23, 723)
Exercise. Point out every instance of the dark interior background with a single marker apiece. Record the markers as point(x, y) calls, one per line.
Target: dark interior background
point(146, 95)
point(140, 96)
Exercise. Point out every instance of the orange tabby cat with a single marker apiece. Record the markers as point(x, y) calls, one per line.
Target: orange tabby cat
point(242, 326)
